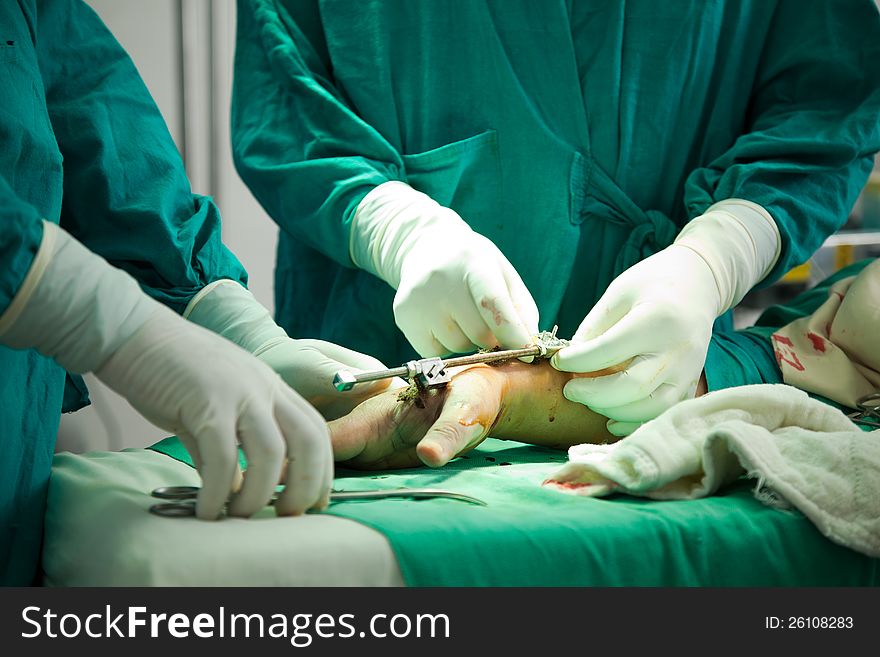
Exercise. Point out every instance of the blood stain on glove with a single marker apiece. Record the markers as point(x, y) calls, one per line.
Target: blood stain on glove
point(489, 304)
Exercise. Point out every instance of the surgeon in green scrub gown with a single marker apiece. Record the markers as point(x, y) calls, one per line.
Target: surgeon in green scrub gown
point(453, 174)
point(88, 169)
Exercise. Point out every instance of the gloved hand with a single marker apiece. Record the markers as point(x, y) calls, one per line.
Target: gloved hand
point(74, 307)
point(307, 366)
point(657, 316)
point(455, 289)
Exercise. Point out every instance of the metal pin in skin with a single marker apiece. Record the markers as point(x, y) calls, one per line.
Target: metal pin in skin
point(433, 372)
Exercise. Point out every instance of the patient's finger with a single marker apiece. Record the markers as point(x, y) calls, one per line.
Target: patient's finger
point(469, 411)
point(448, 438)
point(350, 434)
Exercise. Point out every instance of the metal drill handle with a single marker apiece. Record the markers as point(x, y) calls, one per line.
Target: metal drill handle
point(346, 380)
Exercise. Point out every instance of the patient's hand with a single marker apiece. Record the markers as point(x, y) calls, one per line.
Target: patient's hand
point(514, 401)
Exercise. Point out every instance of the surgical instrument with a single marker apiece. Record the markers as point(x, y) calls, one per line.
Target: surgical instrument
point(432, 372)
point(869, 411)
point(182, 498)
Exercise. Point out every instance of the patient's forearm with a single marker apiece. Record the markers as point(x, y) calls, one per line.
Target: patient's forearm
point(534, 410)
point(514, 401)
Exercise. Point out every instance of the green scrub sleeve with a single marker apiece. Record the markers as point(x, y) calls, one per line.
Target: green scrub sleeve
point(126, 194)
point(807, 145)
point(297, 144)
point(744, 357)
point(21, 231)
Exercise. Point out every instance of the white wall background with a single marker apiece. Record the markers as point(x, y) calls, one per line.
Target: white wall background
point(183, 50)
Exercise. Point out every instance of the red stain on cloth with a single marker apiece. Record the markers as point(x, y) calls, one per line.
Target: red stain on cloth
point(571, 485)
point(783, 348)
point(818, 342)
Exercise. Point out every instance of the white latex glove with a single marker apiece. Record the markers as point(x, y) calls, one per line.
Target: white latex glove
point(89, 316)
point(455, 289)
point(308, 366)
point(657, 316)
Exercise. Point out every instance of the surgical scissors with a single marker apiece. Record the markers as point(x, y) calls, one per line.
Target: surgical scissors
point(869, 411)
point(183, 498)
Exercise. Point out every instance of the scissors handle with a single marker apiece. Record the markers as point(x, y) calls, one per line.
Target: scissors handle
point(869, 411)
point(870, 404)
point(176, 492)
point(174, 509)
point(861, 417)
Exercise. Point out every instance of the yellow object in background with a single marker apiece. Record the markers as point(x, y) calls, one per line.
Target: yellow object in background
point(844, 255)
point(871, 202)
point(800, 274)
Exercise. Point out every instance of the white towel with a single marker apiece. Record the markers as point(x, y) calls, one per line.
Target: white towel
point(802, 452)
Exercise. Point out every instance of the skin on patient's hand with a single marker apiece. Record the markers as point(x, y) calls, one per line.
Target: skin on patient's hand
point(514, 401)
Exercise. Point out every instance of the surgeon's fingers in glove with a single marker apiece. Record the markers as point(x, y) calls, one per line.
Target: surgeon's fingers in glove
point(659, 313)
point(646, 408)
point(310, 458)
point(631, 416)
point(264, 448)
point(213, 393)
point(218, 451)
point(463, 296)
point(450, 324)
point(523, 303)
point(505, 305)
point(622, 340)
point(308, 366)
point(195, 453)
point(343, 355)
point(459, 333)
point(193, 448)
point(622, 429)
point(639, 377)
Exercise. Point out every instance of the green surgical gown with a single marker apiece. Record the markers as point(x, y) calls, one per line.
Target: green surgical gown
point(83, 145)
point(578, 136)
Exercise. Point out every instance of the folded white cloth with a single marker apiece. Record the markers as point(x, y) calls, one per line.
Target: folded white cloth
point(803, 453)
